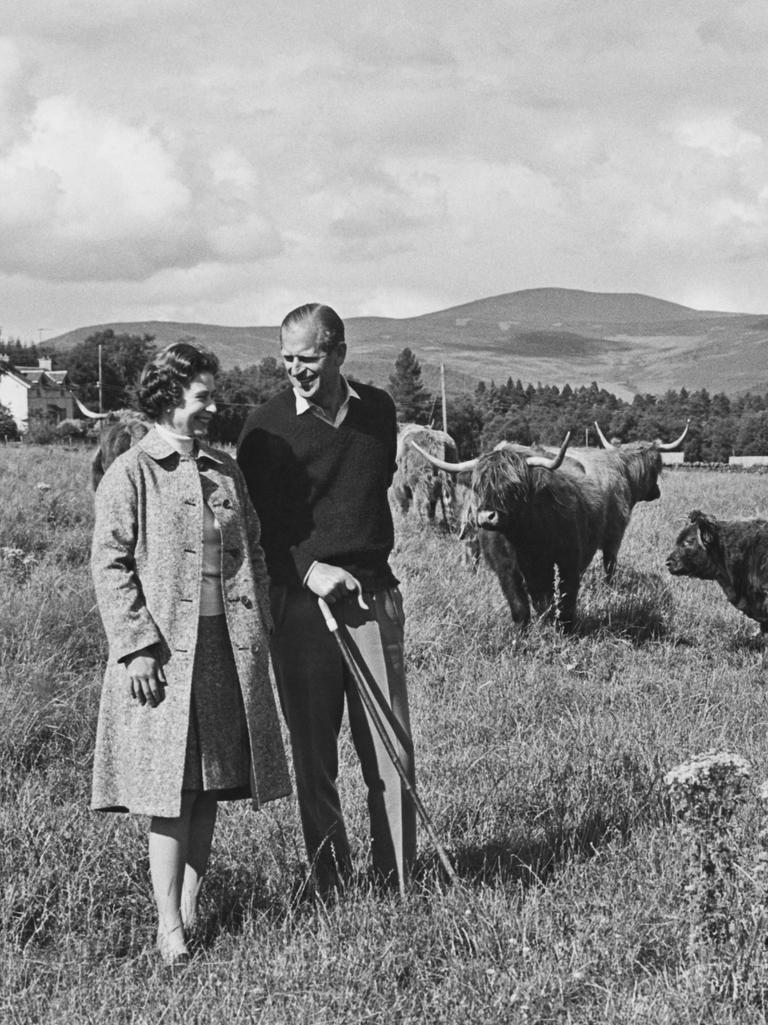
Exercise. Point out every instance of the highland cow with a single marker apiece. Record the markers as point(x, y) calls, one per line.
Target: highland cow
point(548, 518)
point(734, 553)
point(114, 439)
point(416, 483)
point(625, 476)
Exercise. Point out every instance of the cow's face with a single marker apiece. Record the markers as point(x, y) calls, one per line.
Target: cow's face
point(502, 485)
point(644, 465)
point(690, 556)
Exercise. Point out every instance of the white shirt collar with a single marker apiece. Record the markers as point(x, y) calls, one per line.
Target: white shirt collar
point(304, 405)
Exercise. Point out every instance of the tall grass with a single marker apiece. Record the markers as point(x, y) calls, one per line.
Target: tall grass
point(540, 758)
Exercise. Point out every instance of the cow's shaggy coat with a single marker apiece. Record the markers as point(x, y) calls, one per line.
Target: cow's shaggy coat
point(623, 477)
point(732, 552)
point(551, 519)
point(114, 439)
point(417, 484)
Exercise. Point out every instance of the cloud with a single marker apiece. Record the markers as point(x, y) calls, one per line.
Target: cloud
point(87, 196)
point(84, 196)
point(718, 134)
point(227, 161)
point(15, 100)
point(743, 27)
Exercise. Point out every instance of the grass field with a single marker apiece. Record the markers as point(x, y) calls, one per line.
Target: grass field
point(540, 760)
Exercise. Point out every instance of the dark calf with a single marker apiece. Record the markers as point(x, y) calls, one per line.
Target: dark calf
point(732, 552)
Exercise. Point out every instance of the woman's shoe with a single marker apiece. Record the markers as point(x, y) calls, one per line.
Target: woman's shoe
point(172, 948)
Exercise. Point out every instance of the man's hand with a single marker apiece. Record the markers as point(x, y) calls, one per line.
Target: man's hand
point(333, 583)
point(147, 678)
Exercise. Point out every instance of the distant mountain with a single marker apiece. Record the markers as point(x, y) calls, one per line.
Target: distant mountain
point(627, 342)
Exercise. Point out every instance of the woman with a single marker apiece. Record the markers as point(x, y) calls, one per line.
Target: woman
point(187, 716)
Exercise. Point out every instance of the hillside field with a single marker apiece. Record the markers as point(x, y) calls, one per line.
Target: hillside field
point(628, 343)
point(540, 759)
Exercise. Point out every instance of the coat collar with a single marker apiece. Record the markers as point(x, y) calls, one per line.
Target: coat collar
point(159, 448)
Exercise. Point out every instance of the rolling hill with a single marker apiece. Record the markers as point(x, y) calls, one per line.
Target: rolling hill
point(627, 342)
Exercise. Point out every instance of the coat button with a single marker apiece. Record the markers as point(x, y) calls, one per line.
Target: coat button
point(246, 601)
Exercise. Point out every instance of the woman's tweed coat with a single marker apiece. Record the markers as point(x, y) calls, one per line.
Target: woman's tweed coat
point(147, 564)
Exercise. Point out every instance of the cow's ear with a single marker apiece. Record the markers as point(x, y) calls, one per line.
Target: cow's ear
point(707, 533)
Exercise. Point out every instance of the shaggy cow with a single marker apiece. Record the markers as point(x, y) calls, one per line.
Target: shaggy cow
point(625, 476)
point(118, 431)
point(486, 544)
point(547, 517)
point(116, 437)
point(732, 552)
point(416, 482)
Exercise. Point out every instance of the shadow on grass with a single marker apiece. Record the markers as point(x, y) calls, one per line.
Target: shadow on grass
point(523, 861)
point(602, 808)
point(636, 606)
point(232, 897)
point(746, 638)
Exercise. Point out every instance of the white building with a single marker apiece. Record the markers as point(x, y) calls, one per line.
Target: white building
point(672, 458)
point(748, 461)
point(29, 390)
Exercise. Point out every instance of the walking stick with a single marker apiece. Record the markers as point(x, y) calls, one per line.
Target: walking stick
point(363, 690)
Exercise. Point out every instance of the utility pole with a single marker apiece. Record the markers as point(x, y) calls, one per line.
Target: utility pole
point(442, 393)
point(101, 384)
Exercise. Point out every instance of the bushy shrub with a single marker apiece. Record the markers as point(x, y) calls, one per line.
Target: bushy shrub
point(71, 429)
point(41, 430)
point(8, 428)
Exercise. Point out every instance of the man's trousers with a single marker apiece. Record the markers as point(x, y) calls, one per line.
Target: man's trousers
point(313, 681)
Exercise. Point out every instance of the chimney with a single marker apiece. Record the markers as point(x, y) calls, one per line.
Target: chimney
point(45, 363)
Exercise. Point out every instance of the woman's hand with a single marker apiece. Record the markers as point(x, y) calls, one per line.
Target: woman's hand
point(147, 678)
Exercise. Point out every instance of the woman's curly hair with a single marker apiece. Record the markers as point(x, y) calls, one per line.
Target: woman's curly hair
point(168, 373)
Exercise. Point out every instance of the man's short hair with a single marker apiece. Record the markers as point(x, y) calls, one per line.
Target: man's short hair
point(329, 326)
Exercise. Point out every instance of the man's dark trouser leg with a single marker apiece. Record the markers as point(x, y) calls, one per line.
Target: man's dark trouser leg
point(310, 680)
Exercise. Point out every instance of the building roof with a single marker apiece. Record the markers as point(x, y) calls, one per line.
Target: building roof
point(30, 376)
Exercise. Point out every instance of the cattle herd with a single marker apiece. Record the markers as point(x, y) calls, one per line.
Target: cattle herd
point(534, 516)
point(537, 515)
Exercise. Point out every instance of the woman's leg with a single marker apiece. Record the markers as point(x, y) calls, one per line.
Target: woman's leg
point(202, 822)
point(178, 857)
point(167, 855)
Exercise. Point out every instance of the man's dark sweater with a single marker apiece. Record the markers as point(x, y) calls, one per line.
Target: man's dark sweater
point(321, 491)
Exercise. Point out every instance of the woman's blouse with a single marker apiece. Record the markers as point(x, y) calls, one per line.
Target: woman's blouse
point(211, 597)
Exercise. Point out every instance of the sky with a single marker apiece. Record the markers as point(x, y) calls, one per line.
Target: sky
point(223, 162)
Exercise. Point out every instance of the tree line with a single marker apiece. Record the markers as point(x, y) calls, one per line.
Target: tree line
point(720, 426)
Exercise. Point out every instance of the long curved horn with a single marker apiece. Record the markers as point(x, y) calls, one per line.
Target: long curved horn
point(87, 412)
point(603, 440)
point(670, 446)
point(441, 464)
point(555, 461)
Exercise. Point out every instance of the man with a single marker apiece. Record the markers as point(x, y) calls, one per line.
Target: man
point(319, 458)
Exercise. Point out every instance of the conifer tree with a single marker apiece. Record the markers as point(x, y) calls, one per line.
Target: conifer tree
point(412, 399)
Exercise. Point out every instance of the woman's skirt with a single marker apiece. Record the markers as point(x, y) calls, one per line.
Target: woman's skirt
point(218, 757)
